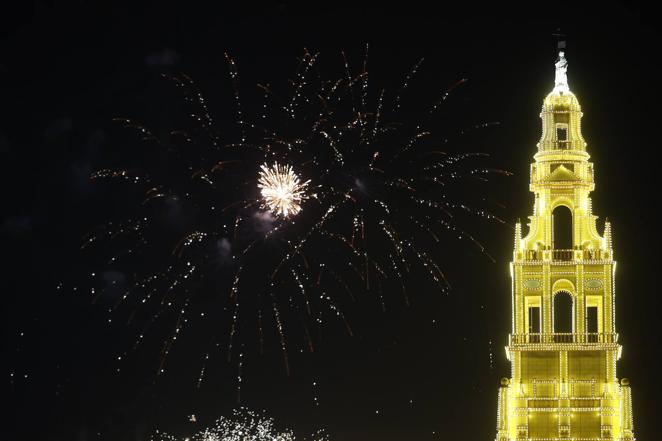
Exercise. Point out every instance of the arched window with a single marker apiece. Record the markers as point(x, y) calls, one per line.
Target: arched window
point(563, 312)
point(562, 228)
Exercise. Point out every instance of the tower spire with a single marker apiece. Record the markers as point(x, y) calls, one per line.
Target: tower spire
point(561, 115)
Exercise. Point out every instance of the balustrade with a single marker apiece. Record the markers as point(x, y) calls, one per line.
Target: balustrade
point(564, 337)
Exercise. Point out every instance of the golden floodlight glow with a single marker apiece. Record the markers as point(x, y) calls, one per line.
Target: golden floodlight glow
point(281, 190)
point(563, 346)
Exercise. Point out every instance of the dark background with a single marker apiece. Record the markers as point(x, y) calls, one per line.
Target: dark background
point(430, 371)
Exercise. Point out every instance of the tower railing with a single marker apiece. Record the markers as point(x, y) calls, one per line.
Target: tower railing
point(566, 255)
point(561, 145)
point(564, 145)
point(563, 337)
point(563, 255)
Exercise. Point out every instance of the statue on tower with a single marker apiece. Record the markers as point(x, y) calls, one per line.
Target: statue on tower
point(561, 79)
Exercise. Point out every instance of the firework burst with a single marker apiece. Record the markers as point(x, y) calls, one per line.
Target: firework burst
point(217, 235)
point(282, 191)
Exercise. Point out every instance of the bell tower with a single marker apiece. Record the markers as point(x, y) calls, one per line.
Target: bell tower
point(563, 345)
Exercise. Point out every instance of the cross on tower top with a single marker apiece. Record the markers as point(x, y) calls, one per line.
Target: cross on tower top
point(560, 39)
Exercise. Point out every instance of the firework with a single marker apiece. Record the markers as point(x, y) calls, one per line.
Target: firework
point(281, 190)
point(243, 425)
point(204, 242)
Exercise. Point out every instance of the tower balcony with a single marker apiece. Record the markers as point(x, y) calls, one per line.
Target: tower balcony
point(563, 338)
point(567, 144)
point(557, 255)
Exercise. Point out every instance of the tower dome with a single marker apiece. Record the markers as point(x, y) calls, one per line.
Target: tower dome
point(561, 115)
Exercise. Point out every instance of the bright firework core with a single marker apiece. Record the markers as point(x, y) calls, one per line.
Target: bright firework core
point(282, 192)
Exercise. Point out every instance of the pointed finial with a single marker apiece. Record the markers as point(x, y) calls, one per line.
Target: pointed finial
point(518, 234)
point(607, 235)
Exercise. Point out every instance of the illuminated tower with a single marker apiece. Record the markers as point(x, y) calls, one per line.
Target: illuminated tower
point(564, 346)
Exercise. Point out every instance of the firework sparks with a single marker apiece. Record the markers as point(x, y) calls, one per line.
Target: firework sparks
point(382, 188)
point(282, 190)
point(243, 425)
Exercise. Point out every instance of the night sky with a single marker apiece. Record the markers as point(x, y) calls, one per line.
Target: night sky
point(427, 372)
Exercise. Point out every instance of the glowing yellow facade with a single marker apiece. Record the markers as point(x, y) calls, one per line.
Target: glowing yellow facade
point(563, 383)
